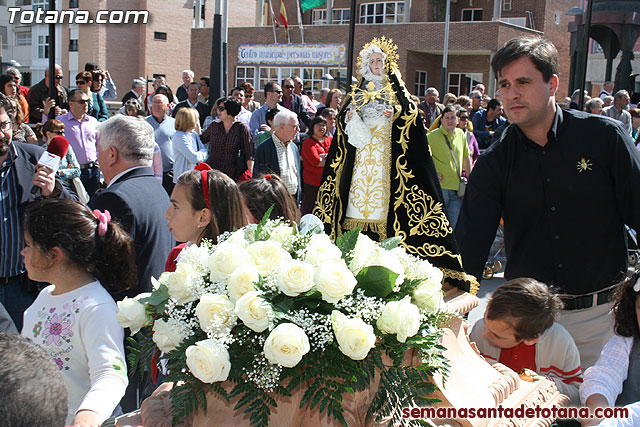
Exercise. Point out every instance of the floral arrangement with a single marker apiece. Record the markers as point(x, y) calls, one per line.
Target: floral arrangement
point(270, 309)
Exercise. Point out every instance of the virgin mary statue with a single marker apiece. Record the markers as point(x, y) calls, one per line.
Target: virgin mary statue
point(379, 175)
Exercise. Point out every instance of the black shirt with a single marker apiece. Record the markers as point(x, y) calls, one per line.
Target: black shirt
point(564, 205)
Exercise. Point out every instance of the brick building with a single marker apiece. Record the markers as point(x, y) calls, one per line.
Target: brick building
point(478, 28)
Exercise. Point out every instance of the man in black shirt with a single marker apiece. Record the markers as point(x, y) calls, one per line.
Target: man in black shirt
point(566, 183)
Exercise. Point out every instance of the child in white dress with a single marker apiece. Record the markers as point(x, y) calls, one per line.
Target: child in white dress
point(74, 319)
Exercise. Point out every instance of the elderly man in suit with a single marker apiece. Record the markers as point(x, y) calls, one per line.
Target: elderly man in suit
point(133, 195)
point(136, 199)
point(280, 155)
point(431, 107)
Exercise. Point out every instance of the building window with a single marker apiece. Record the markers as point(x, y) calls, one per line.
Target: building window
point(159, 36)
point(40, 4)
point(23, 2)
point(312, 78)
point(73, 4)
point(23, 38)
point(339, 76)
point(462, 83)
point(319, 17)
point(472, 14)
point(4, 35)
point(245, 74)
point(43, 47)
point(268, 74)
point(390, 12)
point(522, 22)
point(73, 45)
point(421, 83)
point(506, 5)
point(340, 16)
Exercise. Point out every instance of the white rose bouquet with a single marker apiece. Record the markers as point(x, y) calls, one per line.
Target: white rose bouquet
point(270, 309)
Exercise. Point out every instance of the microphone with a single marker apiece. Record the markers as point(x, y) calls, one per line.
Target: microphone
point(56, 150)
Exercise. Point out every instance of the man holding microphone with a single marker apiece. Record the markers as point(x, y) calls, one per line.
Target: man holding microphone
point(19, 173)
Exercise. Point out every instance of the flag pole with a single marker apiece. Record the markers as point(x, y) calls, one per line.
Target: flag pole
point(300, 21)
point(273, 22)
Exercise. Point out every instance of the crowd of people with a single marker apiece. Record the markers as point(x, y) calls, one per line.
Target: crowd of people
point(166, 171)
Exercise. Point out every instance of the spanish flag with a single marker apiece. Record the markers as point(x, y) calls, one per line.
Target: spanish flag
point(283, 16)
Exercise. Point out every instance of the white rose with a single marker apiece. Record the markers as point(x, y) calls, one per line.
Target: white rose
point(295, 277)
point(225, 258)
point(132, 313)
point(320, 249)
point(401, 318)
point(238, 238)
point(387, 259)
point(434, 274)
point(216, 311)
point(266, 255)
point(286, 345)
point(208, 361)
point(254, 311)
point(428, 295)
point(179, 283)
point(281, 233)
point(162, 280)
point(355, 338)
point(361, 253)
point(165, 336)
point(334, 280)
point(241, 281)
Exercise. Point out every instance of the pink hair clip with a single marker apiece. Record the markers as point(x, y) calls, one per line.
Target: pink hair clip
point(103, 220)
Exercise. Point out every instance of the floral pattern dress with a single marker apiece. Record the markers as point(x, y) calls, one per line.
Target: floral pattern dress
point(80, 332)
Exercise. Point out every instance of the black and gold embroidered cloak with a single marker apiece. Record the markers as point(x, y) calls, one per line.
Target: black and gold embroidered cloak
point(416, 211)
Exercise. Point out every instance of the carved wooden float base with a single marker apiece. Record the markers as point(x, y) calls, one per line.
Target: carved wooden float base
point(473, 383)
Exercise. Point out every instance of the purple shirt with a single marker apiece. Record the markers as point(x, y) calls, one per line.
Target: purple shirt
point(82, 136)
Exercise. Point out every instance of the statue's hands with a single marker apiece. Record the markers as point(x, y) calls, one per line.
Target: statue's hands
point(349, 115)
point(388, 112)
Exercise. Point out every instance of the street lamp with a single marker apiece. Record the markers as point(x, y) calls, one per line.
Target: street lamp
point(586, 33)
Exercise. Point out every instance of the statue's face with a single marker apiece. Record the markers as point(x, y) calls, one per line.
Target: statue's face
point(376, 63)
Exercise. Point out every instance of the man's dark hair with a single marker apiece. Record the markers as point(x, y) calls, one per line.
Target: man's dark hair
point(542, 53)
point(237, 88)
point(287, 78)
point(268, 87)
point(271, 114)
point(206, 79)
point(74, 92)
point(529, 304)
point(90, 66)
point(448, 108)
point(31, 385)
point(491, 105)
point(233, 106)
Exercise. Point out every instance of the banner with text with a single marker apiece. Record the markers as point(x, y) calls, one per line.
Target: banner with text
point(292, 54)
